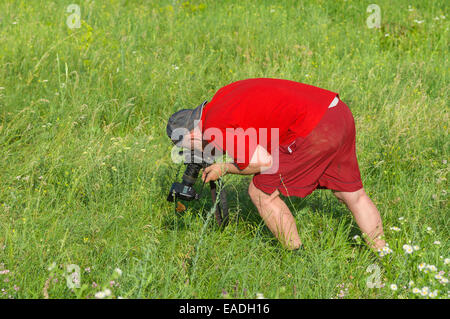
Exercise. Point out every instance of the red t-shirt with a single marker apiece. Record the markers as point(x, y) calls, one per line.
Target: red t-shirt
point(243, 109)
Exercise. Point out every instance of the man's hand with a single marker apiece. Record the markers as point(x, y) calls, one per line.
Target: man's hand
point(214, 172)
point(261, 160)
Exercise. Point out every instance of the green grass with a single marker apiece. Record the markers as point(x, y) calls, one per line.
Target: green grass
point(86, 166)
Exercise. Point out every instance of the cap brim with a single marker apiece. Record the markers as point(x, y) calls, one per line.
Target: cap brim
point(186, 118)
point(196, 115)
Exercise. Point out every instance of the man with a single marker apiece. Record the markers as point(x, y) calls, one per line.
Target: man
point(311, 144)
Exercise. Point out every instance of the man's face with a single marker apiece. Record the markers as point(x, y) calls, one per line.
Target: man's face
point(193, 141)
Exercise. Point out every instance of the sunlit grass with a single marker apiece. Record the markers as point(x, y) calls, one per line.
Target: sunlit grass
point(86, 163)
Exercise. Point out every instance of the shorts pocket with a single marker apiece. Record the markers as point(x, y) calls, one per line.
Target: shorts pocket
point(288, 149)
point(292, 146)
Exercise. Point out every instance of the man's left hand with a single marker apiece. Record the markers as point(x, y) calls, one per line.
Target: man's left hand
point(214, 172)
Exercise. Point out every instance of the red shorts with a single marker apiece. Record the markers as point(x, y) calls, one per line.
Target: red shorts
point(325, 158)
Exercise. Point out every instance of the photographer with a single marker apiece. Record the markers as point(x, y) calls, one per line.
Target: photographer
point(293, 137)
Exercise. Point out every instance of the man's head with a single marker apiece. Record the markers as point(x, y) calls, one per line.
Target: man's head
point(182, 127)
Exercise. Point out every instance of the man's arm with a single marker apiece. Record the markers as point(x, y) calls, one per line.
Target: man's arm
point(260, 161)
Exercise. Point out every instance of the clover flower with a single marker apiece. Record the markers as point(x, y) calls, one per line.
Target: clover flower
point(341, 294)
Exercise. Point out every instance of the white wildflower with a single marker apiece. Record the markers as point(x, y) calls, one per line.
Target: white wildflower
point(432, 268)
point(384, 251)
point(424, 291)
point(394, 287)
point(408, 249)
point(52, 266)
point(100, 295)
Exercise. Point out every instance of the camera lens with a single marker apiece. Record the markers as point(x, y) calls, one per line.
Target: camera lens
point(191, 174)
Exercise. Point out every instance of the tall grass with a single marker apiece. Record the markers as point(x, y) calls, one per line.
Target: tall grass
point(86, 163)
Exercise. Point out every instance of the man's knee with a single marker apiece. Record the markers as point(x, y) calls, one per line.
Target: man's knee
point(258, 195)
point(350, 197)
point(252, 190)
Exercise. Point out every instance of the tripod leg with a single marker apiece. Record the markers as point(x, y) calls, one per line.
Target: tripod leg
point(217, 212)
point(223, 203)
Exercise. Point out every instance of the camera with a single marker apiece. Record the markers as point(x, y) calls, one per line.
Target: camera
point(195, 161)
point(185, 190)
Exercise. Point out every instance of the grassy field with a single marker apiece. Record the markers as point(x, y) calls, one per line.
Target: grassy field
point(85, 161)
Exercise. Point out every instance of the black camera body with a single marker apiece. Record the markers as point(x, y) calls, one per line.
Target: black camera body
point(185, 190)
point(195, 161)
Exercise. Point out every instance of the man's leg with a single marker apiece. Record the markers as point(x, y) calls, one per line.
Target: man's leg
point(276, 215)
point(366, 215)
